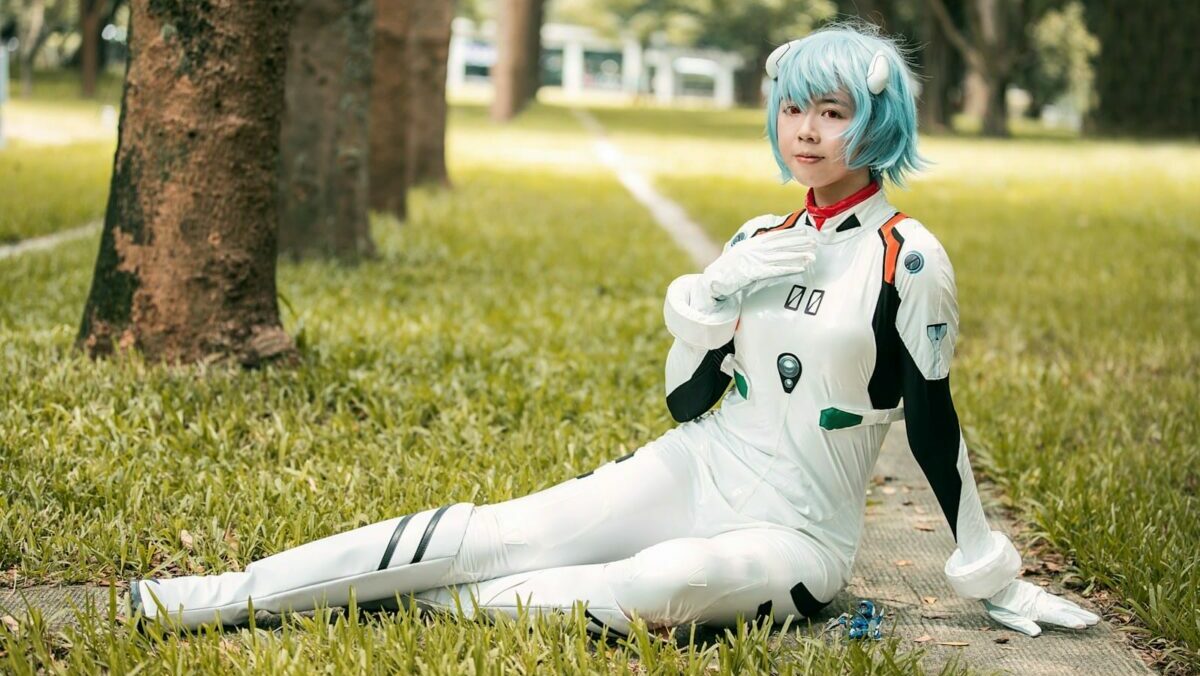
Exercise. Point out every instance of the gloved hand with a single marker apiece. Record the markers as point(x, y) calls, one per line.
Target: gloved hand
point(769, 256)
point(1021, 606)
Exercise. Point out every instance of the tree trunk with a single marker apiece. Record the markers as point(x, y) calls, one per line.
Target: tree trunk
point(993, 42)
point(90, 13)
point(428, 51)
point(390, 108)
point(511, 73)
point(186, 267)
point(323, 183)
point(533, 82)
point(35, 24)
point(934, 116)
point(748, 79)
point(995, 114)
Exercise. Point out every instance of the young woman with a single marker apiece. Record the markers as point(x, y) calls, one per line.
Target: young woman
point(832, 322)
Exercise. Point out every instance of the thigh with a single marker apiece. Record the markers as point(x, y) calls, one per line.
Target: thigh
point(609, 513)
point(748, 572)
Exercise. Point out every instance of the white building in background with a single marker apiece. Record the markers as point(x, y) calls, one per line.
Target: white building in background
point(580, 64)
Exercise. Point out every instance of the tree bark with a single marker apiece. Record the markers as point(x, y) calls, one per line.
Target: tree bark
point(323, 184)
point(390, 108)
point(429, 49)
point(533, 82)
point(748, 79)
point(933, 112)
point(90, 14)
point(186, 267)
point(511, 75)
point(31, 42)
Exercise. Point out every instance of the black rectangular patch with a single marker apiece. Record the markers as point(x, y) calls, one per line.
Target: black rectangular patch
point(814, 302)
point(794, 296)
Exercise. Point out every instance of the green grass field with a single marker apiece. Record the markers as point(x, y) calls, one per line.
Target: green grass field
point(511, 337)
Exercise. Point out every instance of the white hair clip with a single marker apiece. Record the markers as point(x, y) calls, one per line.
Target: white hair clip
point(877, 74)
point(772, 64)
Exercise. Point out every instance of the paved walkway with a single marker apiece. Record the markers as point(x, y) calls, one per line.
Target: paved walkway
point(48, 241)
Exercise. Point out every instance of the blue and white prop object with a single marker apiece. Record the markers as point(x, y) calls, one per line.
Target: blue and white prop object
point(867, 622)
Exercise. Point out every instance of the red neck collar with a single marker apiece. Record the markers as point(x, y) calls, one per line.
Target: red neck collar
point(820, 214)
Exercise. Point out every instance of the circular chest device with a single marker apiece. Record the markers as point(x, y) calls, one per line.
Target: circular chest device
point(789, 371)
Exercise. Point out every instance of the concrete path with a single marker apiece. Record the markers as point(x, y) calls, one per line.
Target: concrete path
point(48, 241)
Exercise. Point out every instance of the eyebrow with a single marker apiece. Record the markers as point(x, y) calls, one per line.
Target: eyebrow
point(830, 99)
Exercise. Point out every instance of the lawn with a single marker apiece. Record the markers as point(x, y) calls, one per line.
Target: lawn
point(509, 337)
point(1077, 375)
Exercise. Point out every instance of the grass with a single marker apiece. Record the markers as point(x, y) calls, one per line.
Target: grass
point(509, 337)
point(49, 189)
point(1077, 375)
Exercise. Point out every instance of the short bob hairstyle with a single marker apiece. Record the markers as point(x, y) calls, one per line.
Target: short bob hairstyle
point(883, 132)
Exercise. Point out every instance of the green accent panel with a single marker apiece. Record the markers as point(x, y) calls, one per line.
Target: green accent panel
point(836, 419)
point(740, 381)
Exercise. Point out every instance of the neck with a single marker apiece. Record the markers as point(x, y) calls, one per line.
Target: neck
point(840, 190)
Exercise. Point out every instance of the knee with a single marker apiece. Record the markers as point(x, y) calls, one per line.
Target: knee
point(674, 582)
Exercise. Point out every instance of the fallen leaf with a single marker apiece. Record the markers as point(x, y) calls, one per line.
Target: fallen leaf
point(888, 490)
point(186, 539)
point(929, 600)
point(957, 644)
point(923, 639)
point(10, 623)
point(907, 503)
point(1000, 639)
point(900, 563)
point(925, 528)
point(920, 509)
point(935, 616)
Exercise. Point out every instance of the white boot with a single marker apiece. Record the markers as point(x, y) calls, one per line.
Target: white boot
point(378, 561)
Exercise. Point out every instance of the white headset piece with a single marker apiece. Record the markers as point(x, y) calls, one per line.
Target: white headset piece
point(877, 74)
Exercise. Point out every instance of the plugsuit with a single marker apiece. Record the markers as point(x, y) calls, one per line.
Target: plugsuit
point(753, 508)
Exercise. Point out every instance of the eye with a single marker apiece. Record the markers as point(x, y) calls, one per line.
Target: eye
point(832, 113)
point(791, 109)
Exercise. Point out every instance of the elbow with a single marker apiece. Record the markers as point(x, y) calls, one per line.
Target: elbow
point(682, 412)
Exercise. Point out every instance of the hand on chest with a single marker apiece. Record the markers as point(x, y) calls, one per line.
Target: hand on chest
point(824, 313)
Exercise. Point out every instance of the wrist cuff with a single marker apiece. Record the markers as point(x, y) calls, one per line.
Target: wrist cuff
point(690, 318)
point(982, 578)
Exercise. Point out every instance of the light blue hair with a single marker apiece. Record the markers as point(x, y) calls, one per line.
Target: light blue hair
point(883, 133)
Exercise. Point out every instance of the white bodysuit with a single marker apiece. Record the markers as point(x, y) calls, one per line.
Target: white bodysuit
point(754, 508)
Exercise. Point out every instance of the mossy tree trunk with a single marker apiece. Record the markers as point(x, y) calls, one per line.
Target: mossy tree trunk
point(323, 184)
point(428, 51)
point(186, 267)
point(390, 108)
point(513, 74)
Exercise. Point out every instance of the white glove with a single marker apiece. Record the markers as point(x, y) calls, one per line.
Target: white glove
point(769, 256)
point(1021, 606)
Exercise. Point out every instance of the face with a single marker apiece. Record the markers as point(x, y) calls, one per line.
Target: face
point(810, 141)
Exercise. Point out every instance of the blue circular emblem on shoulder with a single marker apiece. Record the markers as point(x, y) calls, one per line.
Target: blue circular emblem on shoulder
point(737, 238)
point(913, 262)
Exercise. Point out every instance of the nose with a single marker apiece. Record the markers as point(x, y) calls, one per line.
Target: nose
point(807, 131)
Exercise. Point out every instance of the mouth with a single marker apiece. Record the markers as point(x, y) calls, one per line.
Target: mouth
point(808, 159)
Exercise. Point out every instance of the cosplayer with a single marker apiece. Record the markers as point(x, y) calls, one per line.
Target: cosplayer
point(831, 322)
